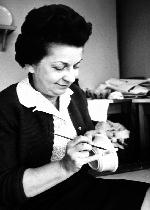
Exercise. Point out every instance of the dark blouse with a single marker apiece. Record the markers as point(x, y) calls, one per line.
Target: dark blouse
point(26, 140)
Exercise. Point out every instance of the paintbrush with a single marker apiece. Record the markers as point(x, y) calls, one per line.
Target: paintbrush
point(93, 145)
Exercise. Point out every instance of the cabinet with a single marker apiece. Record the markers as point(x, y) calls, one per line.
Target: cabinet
point(4, 31)
point(135, 115)
point(142, 107)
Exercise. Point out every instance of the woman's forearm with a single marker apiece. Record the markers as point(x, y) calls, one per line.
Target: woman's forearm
point(38, 180)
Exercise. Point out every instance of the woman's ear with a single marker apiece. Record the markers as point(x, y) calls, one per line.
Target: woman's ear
point(29, 68)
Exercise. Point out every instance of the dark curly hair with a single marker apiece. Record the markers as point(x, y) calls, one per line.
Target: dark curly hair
point(49, 24)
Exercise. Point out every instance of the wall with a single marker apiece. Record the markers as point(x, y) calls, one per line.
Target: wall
point(100, 58)
point(134, 37)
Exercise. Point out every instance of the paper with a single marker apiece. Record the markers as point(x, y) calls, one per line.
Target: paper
point(98, 109)
point(128, 85)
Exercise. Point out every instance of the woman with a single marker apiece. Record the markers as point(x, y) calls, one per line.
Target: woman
point(40, 169)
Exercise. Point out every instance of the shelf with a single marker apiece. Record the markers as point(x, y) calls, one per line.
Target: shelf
point(6, 29)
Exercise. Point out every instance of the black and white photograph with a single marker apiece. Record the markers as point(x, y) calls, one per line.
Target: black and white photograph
point(74, 105)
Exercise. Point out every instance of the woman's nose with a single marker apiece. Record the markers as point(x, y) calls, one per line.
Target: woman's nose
point(70, 75)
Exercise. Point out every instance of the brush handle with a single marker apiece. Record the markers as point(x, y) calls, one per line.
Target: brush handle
point(93, 145)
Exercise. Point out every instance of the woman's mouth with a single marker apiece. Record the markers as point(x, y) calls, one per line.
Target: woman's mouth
point(63, 85)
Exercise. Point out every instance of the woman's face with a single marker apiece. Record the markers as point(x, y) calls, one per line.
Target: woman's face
point(58, 70)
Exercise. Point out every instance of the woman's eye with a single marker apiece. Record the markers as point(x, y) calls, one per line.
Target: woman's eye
point(59, 68)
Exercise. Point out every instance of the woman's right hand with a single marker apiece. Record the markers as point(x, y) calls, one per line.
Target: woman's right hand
point(78, 154)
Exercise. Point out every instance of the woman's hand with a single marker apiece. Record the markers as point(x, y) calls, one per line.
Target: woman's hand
point(78, 154)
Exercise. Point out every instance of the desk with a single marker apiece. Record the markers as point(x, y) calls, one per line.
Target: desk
point(136, 114)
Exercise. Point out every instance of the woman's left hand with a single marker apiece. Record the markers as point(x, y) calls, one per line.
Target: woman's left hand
point(91, 134)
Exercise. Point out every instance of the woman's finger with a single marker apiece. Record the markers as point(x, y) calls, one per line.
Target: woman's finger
point(83, 146)
point(79, 139)
point(90, 134)
point(83, 154)
point(91, 158)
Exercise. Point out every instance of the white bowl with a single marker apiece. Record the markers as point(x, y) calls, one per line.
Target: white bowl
point(5, 16)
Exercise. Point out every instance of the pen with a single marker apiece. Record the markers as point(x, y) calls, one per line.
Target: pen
point(72, 139)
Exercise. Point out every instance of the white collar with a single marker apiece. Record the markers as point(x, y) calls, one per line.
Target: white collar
point(29, 97)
